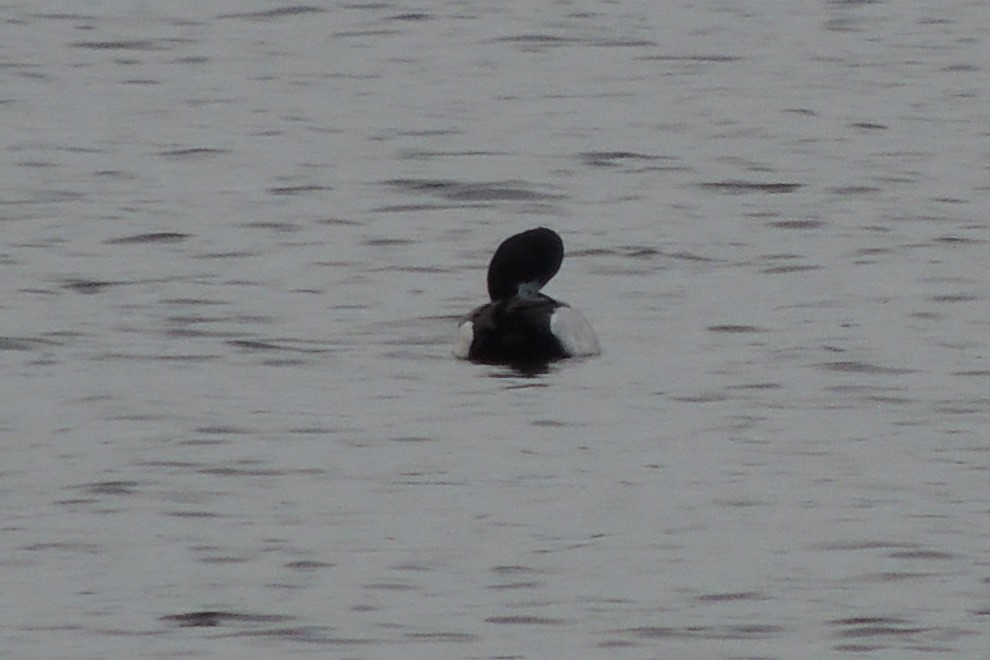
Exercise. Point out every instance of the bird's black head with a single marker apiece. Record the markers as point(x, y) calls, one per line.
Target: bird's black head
point(524, 263)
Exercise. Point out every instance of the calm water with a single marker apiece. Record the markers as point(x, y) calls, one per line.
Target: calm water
point(236, 240)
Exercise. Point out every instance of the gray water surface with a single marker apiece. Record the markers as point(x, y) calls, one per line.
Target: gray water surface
point(237, 237)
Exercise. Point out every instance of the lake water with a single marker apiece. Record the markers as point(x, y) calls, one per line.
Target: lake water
point(237, 237)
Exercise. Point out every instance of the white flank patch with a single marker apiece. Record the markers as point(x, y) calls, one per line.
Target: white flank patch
point(462, 343)
point(574, 332)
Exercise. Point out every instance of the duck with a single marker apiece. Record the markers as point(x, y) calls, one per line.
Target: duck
point(521, 326)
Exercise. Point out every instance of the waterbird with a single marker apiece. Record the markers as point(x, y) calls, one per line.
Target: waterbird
point(521, 326)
